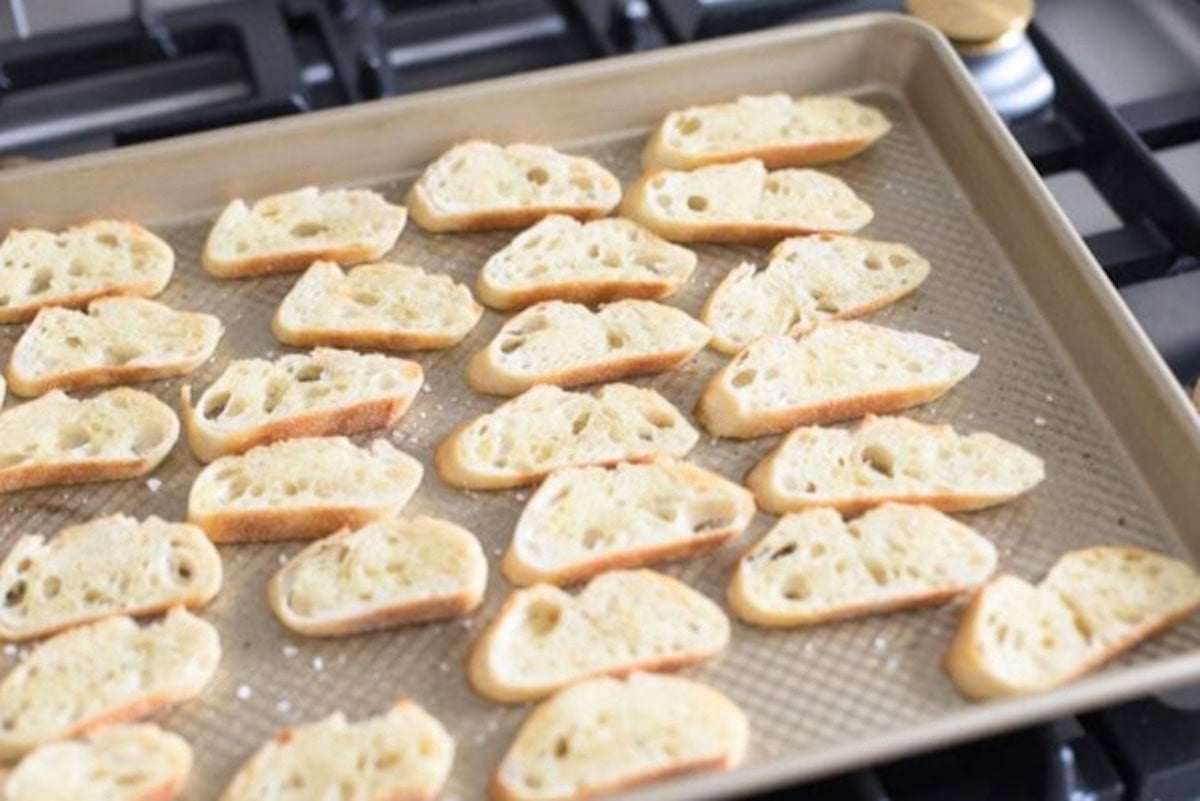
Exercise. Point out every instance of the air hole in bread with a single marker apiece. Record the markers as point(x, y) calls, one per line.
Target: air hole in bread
point(15, 594)
point(275, 393)
point(241, 246)
point(149, 436)
point(580, 422)
point(663, 200)
point(592, 537)
point(10, 459)
point(108, 240)
point(897, 260)
point(616, 340)
point(593, 251)
point(306, 230)
point(51, 586)
point(562, 747)
point(510, 345)
point(538, 270)
point(688, 125)
point(41, 282)
point(538, 175)
point(660, 419)
point(182, 569)
point(877, 570)
point(76, 268)
point(697, 202)
point(74, 342)
point(542, 617)
point(780, 553)
point(363, 298)
point(583, 182)
point(309, 373)
point(72, 437)
point(214, 407)
point(745, 378)
point(711, 524)
point(795, 588)
point(121, 354)
point(879, 459)
point(5, 300)
point(842, 214)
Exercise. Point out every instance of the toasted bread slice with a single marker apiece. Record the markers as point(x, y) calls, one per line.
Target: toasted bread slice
point(585, 520)
point(1095, 604)
point(809, 279)
point(301, 489)
point(384, 574)
point(57, 439)
point(837, 371)
point(73, 268)
point(561, 258)
point(547, 428)
point(624, 620)
point(107, 566)
point(743, 202)
point(139, 762)
point(892, 459)
point(405, 754)
point(256, 402)
point(107, 672)
point(780, 130)
point(118, 341)
point(476, 186)
point(291, 230)
point(381, 306)
point(815, 567)
point(567, 345)
point(605, 735)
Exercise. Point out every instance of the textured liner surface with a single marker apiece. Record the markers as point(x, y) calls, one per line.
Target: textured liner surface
point(805, 690)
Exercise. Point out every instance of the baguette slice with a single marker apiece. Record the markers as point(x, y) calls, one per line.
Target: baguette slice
point(743, 202)
point(107, 672)
point(57, 439)
point(384, 574)
point(118, 341)
point(888, 459)
point(561, 258)
point(780, 130)
point(404, 754)
point(1095, 604)
point(606, 735)
point(624, 620)
point(382, 306)
point(256, 402)
point(567, 345)
point(837, 371)
point(547, 428)
point(583, 521)
point(289, 231)
point(477, 186)
point(139, 762)
point(809, 279)
point(301, 489)
point(73, 268)
point(107, 566)
point(814, 567)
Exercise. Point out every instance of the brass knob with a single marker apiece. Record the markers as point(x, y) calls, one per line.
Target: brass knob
point(976, 27)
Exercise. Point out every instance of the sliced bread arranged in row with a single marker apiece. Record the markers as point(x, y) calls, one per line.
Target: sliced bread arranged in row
point(780, 130)
point(480, 185)
point(892, 459)
point(567, 345)
point(547, 428)
point(323, 392)
point(585, 520)
point(809, 279)
point(386, 573)
point(1017, 638)
point(380, 306)
point(301, 489)
point(99, 259)
point(606, 735)
point(117, 341)
point(561, 258)
point(289, 231)
point(839, 370)
point(543, 638)
point(113, 565)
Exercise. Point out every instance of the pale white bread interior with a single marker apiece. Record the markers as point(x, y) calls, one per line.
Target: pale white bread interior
point(386, 573)
point(548, 428)
point(605, 735)
point(291, 230)
point(480, 185)
point(809, 279)
point(815, 567)
point(1094, 604)
point(781, 130)
point(117, 341)
point(106, 566)
point(585, 520)
point(72, 268)
point(892, 459)
point(301, 489)
point(561, 258)
point(381, 305)
point(543, 638)
point(404, 754)
point(323, 392)
point(743, 202)
point(135, 762)
point(839, 370)
point(58, 439)
point(567, 344)
point(106, 672)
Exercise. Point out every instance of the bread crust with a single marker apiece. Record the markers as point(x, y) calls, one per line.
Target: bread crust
point(580, 291)
point(490, 220)
point(483, 376)
point(272, 525)
point(658, 155)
